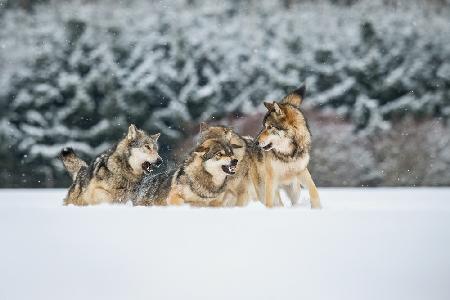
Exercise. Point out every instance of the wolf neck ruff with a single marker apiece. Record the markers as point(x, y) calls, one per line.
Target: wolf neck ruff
point(296, 153)
point(196, 185)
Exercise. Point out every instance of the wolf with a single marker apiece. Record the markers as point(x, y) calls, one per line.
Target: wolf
point(200, 180)
point(240, 187)
point(114, 174)
point(286, 141)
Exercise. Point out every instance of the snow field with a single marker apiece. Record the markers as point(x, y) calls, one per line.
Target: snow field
point(364, 244)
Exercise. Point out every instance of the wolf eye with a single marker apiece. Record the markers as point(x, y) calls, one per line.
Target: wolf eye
point(218, 154)
point(148, 147)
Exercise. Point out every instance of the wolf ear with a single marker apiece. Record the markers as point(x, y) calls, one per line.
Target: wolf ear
point(277, 108)
point(132, 132)
point(201, 149)
point(273, 107)
point(269, 106)
point(155, 137)
point(228, 133)
point(296, 97)
point(203, 126)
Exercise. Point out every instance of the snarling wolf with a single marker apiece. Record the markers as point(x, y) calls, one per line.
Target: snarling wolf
point(239, 188)
point(113, 175)
point(200, 180)
point(286, 140)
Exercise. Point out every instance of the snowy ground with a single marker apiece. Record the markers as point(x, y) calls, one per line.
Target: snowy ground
point(364, 244)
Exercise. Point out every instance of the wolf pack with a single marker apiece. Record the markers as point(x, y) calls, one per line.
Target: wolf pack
point(224, 169)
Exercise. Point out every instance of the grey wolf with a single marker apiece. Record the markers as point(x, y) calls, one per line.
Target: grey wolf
point(286, 141)
point(240, 186)
point(200, 180)
point(113, 174)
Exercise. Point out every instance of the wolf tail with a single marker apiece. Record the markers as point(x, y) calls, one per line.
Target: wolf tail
point(72, 162)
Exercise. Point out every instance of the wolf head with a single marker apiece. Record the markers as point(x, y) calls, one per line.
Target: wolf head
point(284, 124)
point(142, 150)
point(216, 157)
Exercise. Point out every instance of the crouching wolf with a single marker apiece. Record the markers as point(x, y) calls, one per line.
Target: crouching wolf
point(201, 179)
point(239, 187)
point(113, 175)
point(286, 140)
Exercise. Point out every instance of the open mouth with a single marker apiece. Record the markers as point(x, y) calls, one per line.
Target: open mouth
point(147, 167)
point(267, 147)
point(229, 169)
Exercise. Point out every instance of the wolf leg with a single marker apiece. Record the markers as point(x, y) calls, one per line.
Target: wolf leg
point(229, 199)
point(256, 182)
point(217, 203)
point(268, 185)
point(242, 197)
point(306, 180)
point(277, 198)
point(293, 191)
point(243, 192)
point(104, 196)
point(174, 199)
point(99, 195)
point(74, 196)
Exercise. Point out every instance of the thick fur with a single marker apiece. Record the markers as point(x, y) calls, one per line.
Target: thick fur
point(286, 140)
point(240, 187)
point(72, 162)
point(199, 181)
point(113, 175)
point(154, 189)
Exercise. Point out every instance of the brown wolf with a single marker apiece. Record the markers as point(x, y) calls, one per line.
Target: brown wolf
point(200, 180)
point(112, 176)
point(286, 140)
point(241, 186)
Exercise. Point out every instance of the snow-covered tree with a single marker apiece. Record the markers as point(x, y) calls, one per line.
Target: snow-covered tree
point(77, 74)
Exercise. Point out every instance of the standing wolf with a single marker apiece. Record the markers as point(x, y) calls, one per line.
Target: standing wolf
point(286, 140)
point(113, 175)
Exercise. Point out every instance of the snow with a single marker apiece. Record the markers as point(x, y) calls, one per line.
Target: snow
point(364, 244)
